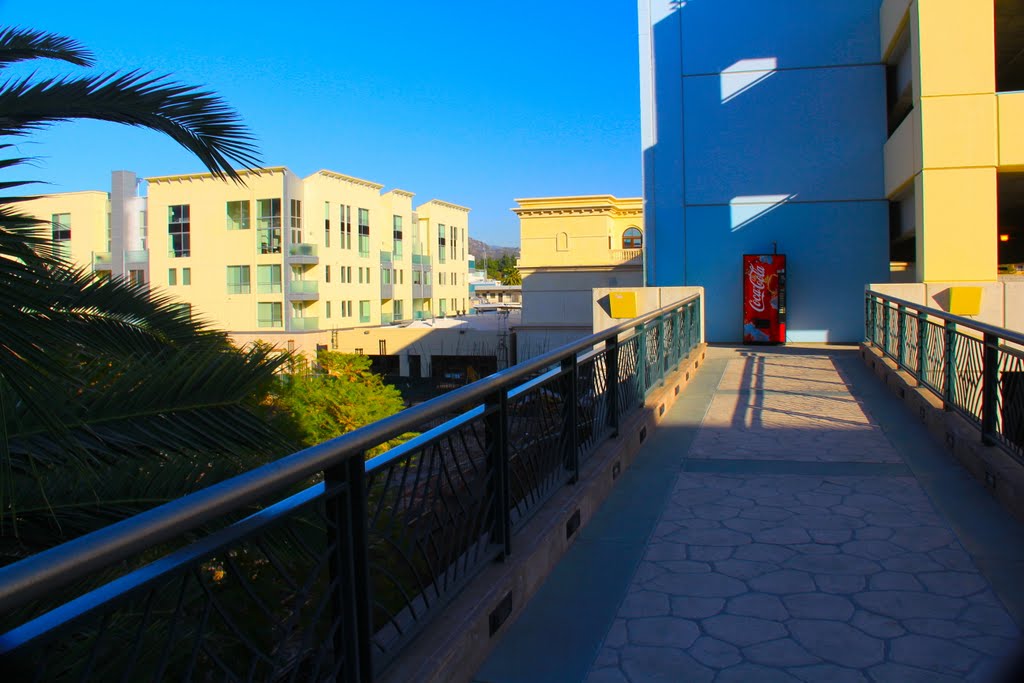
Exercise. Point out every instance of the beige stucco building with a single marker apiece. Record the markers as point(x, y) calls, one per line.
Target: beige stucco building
point(294, 261)
point(569, 247)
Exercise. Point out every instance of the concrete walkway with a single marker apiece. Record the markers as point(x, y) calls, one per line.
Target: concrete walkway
point(788, 521)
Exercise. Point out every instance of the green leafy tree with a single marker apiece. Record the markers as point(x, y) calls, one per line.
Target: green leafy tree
point(342, 395)
point(112, 399)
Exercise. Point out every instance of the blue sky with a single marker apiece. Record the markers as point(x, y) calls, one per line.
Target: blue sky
point(471, 102)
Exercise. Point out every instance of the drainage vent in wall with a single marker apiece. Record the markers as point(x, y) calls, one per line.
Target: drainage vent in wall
point(676, 393)
point(500, 613)
point(661, 410)
point(643, 434)
point(573, 524)
point(616, 469)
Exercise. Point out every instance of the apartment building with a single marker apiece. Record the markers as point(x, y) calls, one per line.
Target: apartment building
point(280, 257)
point(569, 247)
point(871, 141)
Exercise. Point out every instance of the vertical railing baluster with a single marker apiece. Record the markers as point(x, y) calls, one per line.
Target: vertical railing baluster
point(660, 351)
point(949, 365)
point(349, 568)
point(496, 443)
point(901, 335)
point(611, 364)
point(570, 368)
point(989, 389)
point(885, 329)
point(641, 360)
point(922, 347)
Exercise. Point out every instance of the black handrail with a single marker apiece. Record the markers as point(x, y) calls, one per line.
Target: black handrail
point(34, 577)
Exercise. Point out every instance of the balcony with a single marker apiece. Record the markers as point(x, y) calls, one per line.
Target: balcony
point(385, 257)
point(420, 260)
point(422, 291)
point(303, 253)
point(386, 318)
point(304, 324)
point(387, 290)
point(303, 290)
point(627, 256)
point(137, 256)
point(102, 260)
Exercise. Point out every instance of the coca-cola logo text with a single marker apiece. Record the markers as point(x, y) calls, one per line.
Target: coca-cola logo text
point(757, 287)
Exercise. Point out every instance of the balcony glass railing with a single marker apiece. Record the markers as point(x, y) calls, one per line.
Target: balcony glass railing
point(420, 260)
point(386, 318)
point(136, 256)
point(101, 259)
point(385, 257)
point(305, 324)
point(302, 249)
point(304, 286)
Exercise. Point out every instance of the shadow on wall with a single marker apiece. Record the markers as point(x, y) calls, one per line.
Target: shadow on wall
point(783, 125)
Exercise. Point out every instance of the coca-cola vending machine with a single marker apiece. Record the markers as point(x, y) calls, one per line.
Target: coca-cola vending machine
point(764, 298)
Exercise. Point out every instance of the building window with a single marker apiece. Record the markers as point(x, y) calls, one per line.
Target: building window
point(179, 231)
point(61, 233)
point(417, 277)
point(364, 311)
point(364, 233)
point(443, 308)
point(632, 238)
point(360, 275)
point(441, 243)
point(348, 273)
point(562, 241)
point(269, 314)
point(454, 245)
point(327, 224)
point(238, 280)
point(172, 277)
point(345, 227)
point(238, 215)
point(186, 276)
point(296, 221)
point(397, 309)
point(268, 225)
point(268, 279)
point(137, 277)
point(397, 233)
point(327, 309)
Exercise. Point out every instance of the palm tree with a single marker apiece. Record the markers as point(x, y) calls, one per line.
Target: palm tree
point(112, 399)
point(511, 277)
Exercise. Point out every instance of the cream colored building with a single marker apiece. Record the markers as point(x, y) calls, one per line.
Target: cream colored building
point(569, 247)
point(291, 260)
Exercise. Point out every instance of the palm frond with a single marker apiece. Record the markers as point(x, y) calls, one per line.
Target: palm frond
point(22, 44)
point(196, 119)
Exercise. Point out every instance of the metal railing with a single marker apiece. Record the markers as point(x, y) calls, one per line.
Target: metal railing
point(976, 369)
point(323, 565)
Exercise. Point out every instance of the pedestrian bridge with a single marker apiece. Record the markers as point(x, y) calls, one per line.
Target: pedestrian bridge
point(633, 507)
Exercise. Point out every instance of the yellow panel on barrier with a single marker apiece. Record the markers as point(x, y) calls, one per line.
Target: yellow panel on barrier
point(965, 300)
point(622, 304)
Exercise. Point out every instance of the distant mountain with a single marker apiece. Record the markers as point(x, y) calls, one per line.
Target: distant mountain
point(482, 250)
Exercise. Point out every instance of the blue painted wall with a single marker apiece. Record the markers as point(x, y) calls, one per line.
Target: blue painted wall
point(811, 131)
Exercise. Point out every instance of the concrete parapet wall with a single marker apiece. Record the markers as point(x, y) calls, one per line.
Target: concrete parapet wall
point(458, 641)
point(648, 299)
point(993, 467)
point(1002, 303)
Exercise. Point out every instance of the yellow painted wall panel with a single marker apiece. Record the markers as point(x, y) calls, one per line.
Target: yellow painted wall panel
point(902, 154)
point(959, 131)
point(957, 225)
point(1011, 129)
point(957, 46)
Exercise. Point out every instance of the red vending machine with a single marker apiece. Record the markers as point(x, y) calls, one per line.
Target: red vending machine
point(764, 298)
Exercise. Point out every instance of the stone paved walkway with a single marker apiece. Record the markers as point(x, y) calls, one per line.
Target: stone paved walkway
point(794, 544)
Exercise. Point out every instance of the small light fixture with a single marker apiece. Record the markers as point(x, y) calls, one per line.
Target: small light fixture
point(1004, 238)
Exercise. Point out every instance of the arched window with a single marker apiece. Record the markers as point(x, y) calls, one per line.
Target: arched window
point(562, 241)
point(632, 238)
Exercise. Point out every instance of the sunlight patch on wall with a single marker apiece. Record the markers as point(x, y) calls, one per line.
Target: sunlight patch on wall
point(747, 209)
point(744, 75)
